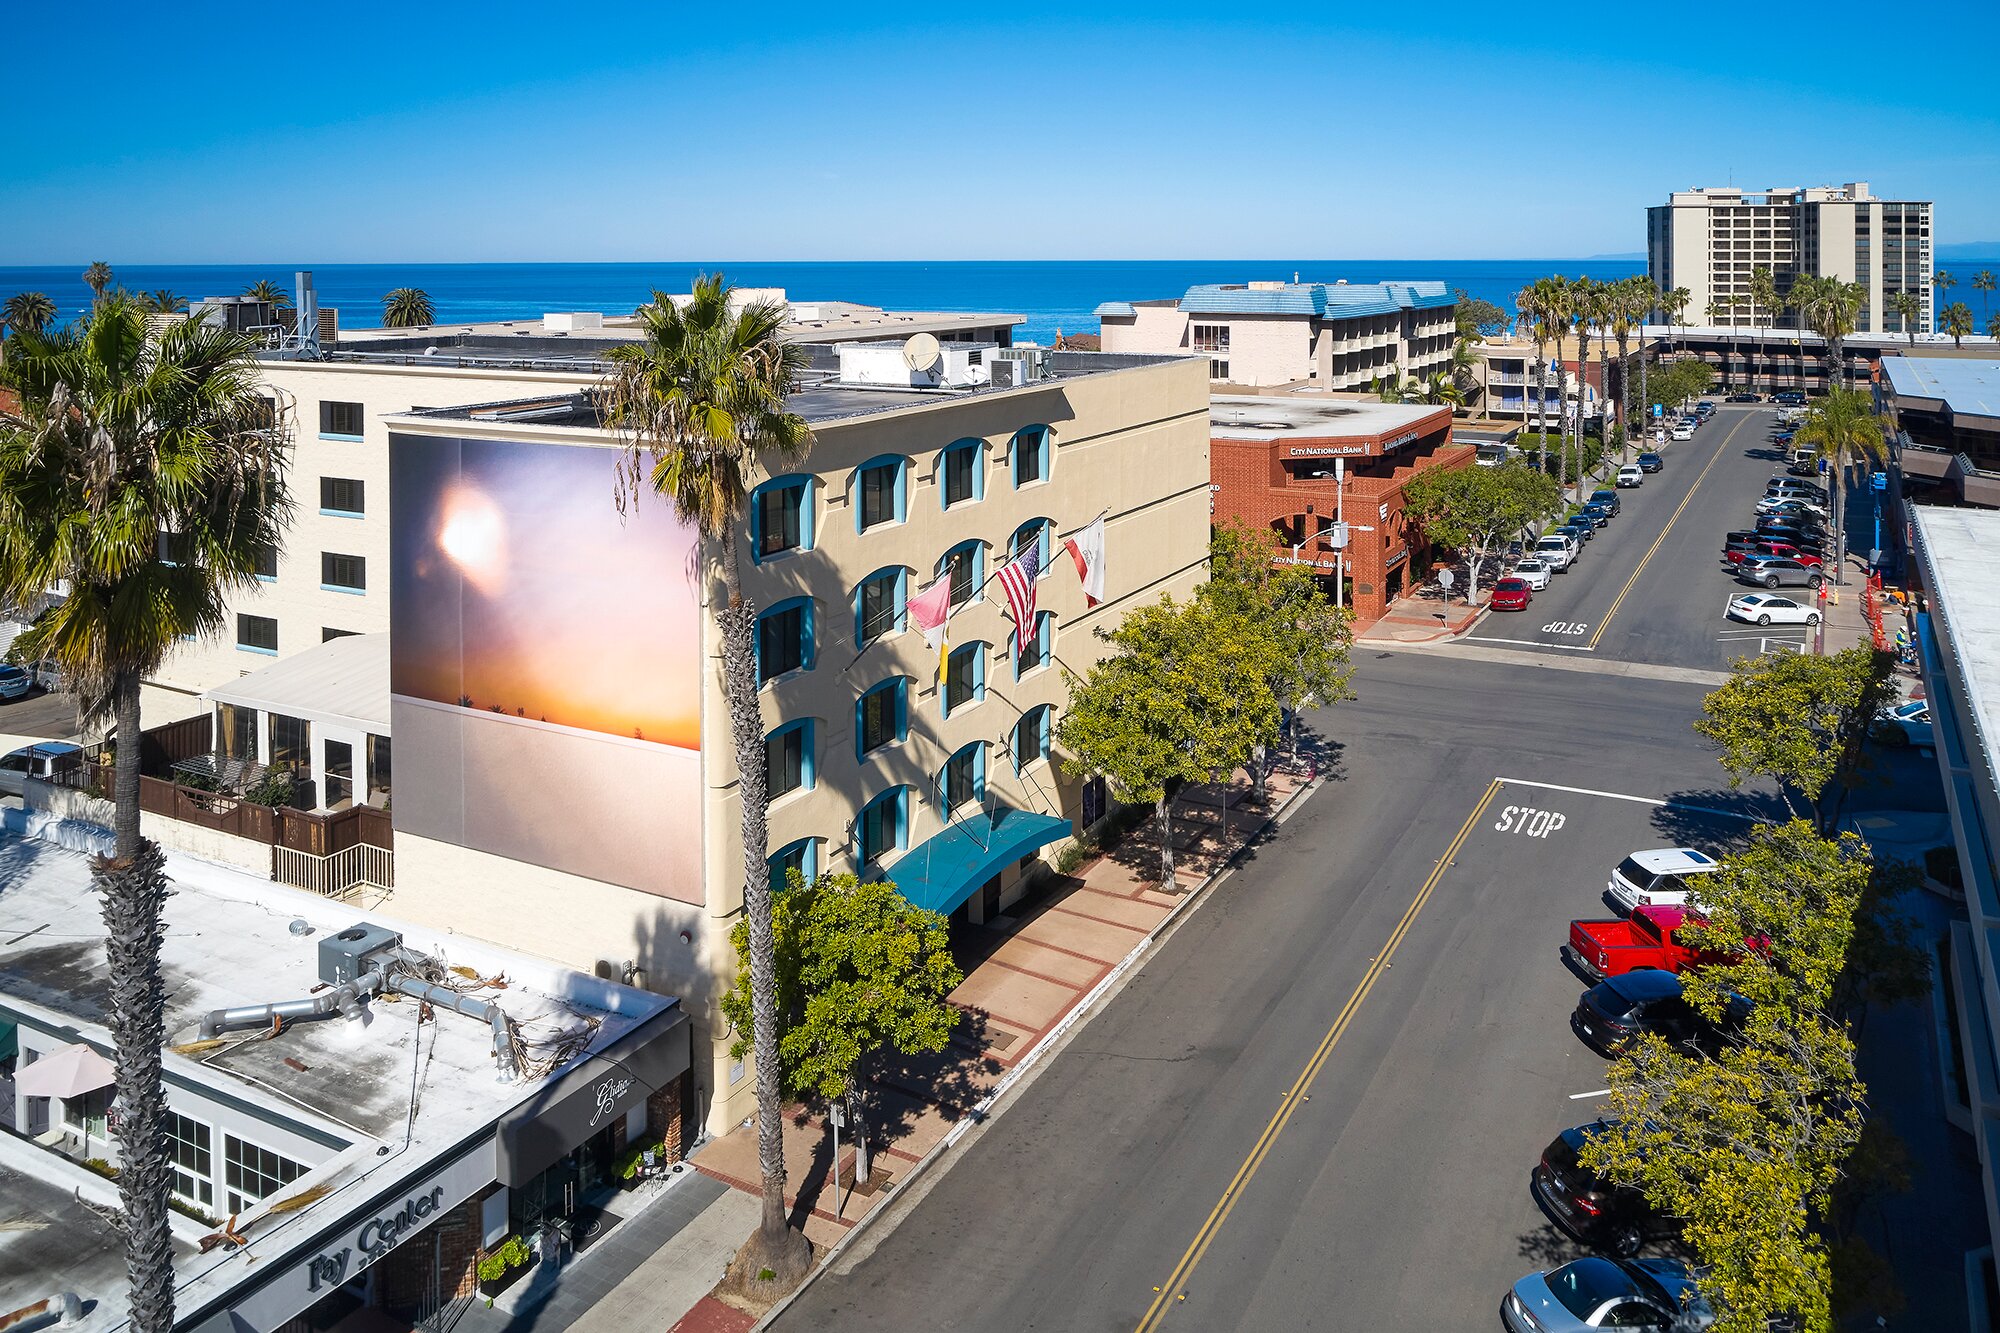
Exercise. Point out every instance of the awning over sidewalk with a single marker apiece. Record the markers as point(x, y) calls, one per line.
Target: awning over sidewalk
point(943, 871)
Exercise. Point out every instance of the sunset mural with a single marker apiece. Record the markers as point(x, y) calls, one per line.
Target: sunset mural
point(519, 592)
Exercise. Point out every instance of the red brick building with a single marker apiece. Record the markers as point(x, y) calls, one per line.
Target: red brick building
point(1297, 464)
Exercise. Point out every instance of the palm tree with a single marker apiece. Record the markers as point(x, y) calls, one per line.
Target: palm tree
point(97, 277)
point(1631, 298)
point(163, 301)
point(1676, 304)
point(700, 400)
point(1599, 303)
point(1993, 328)
point(265, 290)
point(1557, 302)
point(1984, 282)
point(1831, 309)
point(1763, 305)
point(407, 308)
point(1942, 280)
point(1909, 308)
point(1529, 303)
point(1840, 426)
point(119, 435)
point(24, 312)
point(1957, 321)
point(1646, 298)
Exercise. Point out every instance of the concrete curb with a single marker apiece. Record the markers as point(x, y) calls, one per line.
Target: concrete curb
point(986, 1109)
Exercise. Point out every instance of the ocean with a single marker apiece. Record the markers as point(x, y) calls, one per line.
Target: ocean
point(1051, 295)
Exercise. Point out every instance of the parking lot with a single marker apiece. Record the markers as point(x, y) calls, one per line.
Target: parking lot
point(36, 716)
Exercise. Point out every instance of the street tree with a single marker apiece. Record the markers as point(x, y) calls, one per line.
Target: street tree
point(1311, 638)
point(1801, 719)
point(699, 400)
point(1842, 428)
point(1184, 695)
point(1909, 308)
point(116, 437)
point(1764, 306)
point(857, 970)
point(1476, 511)
point(1956, 319)
point(1675, 382)
point(1478, 318)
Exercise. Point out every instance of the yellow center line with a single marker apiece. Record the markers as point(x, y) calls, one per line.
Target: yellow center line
point(1171, 1289)
point(1686, 500)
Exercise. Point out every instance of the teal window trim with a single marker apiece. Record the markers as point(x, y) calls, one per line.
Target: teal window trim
point(341, 587)
point(808, 775)
point(1039, 715)
point(977, 752)
point(808, 639)
point(267, 578)
point(900, 594)
point(902, 489)
point(246, 648)
point(1044, 530)
point(897, 832)
point(796, 481)
point(975, 653)
point(806, 850)
point(900, 731)
point(1044, 640)
point(978, 571)
point(977, 449)
point(343, 439)
point(1029, 442)
point(341, 513)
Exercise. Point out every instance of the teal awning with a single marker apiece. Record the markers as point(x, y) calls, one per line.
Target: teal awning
point(942, 872)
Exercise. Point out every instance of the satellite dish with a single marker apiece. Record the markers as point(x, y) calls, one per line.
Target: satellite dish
point(921, 352)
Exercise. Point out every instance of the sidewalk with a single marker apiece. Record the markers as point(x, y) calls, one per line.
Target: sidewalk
point(1424, 617)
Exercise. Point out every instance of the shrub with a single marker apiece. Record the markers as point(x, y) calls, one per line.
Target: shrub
point(101, 1167)
point(273, 789)
point(510, 1254)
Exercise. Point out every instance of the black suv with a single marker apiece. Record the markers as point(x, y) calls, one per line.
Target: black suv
point(1651, 462)
point(1607, 496)
point(1589, 1208)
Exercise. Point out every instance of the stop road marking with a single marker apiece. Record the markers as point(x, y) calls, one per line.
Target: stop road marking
point(1529, 820)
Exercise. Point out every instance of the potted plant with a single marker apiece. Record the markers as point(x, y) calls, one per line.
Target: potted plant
point(502, 1266)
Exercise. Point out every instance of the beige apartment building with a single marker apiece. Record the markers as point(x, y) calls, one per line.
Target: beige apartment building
point(1336, 336)
point(568, 780)
point(1711, 240)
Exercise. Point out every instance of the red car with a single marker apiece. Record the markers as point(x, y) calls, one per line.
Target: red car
point(1512, 595)
point(1739, 552)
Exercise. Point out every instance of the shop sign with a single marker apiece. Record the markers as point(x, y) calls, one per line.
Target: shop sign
point(376, 1237)
point(1402, 439)
point(1324, 450)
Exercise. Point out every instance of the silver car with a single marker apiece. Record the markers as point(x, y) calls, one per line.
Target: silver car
point(1592, 1293)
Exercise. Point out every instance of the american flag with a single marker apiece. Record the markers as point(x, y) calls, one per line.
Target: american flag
point(1017, 576)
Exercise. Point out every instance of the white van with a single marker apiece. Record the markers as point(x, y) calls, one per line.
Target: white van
point(1659, 878)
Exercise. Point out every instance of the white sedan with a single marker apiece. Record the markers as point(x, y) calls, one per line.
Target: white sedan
point(1683, 432)
point(1908, 723)
point(1534, 572)
point(1763, 608)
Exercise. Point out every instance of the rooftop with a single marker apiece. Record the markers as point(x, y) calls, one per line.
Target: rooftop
point(1277, 417)
point(386, 1095)
point(342, 680)
point(1325, 300)
point(1968, 387)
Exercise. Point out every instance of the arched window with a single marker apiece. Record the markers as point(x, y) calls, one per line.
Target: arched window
point(781, 517)
point(965, 564)
point(788, 759)
point(1031, 736)
point(802, 856)
point(883, 826)
point(879, 604)
point(962, 780)
point(1031, 456)
point(962, 472)
point(964, 677)
point(882, 716)
point(1034, 655)
point(784, 638)
point(1038, 531)
point(880, 492)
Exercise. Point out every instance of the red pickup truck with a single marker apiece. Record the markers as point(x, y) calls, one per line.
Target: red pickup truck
point(1600, 949)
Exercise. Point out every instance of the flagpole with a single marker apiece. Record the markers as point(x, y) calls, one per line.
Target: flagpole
point(1054, 541)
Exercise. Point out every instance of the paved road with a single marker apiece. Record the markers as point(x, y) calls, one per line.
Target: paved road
point(1649, 587)
point(1394, 1193)
point(42, 715)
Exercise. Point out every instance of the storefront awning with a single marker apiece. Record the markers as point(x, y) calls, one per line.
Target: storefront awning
point(943, 871)
point(590, 1097)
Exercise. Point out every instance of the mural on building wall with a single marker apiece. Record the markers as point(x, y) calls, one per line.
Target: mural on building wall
point(544, 662)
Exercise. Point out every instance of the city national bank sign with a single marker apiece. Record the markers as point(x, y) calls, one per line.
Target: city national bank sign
point(1362, 449)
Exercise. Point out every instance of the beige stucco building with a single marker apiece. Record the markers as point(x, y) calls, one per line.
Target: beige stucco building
point(1711, 240)
point(571, 836)
point(1336, 335)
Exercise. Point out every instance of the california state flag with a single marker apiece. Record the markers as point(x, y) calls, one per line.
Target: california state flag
point(1086, 548)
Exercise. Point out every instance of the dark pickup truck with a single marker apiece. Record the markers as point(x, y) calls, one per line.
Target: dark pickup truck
point(1600, 949)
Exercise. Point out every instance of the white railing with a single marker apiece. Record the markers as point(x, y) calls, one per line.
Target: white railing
point(336, 875)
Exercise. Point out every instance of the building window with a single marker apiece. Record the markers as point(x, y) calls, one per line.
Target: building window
point(1218, 370)
point(882, 825)
point(802, 856)
point(965, 677)
point(265, 560)
point(342, 573)
point(964, 777)
point(1035, 532)
point(236, 728)
point(963, 480)
point(290, 740)
point(172, 548)
point(780, 517)
point(878, 605)
point(963, 564)
point(1035, 653)
point(1211, 338)
point(341, 497)
point(788, 759)
point(1031, 736)
point(256, 634)
point(784, 639)
point(194, 1164)
point(253, 1173)
point(1031, 455)
point(881, 716)
point(340, 421)
point(878, 493)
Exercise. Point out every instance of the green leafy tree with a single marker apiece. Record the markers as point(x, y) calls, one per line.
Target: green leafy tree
point(1183, 696)
point(1311, 637)
point(858, 970)
point(1841, 426)
point(407, 308)
point(699, 399)
point(118, 436)
point(1478, 318)
point(1476, 511)
point(1956, 319)
point(98, 278)
point(1800, 719)
point(1675, 382)
point(1909, 308)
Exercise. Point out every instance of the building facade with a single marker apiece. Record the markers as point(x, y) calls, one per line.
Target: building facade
point(1335, 335)
point(1711, 240)
point(1326, 476)
point(568, 781)
point(1947, 416)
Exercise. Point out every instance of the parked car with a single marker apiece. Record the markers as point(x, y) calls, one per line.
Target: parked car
point(1791, 506)
point(41, 760)
point(1589, 1208)
point(1605, 495)
point(1643, 941)
point(1580, 528)
point(1790, 398)
point(1598, 514)
point(1592, 1293)
point(1535, 572)
point(1558, 550)
point(1657, 878)
point(1906, 724)
point(1743, 398)
point(1777, 572)
point(1798, 531)
point(1650, 462)
point(1631, 475)
point(1611, 1015)
point(15, 681)
point(1775, 548)
point(1704, 407)
point(1783, 485)
point(1512, 594)
point(1682, 432)
point(1764, 608)
point(1803, 467)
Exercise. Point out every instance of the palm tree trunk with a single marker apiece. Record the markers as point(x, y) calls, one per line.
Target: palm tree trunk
point(133, 887)
point(1542, 409)
point(1603, 392)
point(778, 1248)
point(1166, 805)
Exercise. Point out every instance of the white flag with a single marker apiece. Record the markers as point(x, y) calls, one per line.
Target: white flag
point(1086, 548)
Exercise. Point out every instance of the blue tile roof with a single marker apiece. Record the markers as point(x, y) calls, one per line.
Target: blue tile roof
point(1115, 309)
point(1969, 388)
point(1338, 300)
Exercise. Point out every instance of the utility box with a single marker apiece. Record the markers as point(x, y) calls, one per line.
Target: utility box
point(352, 952)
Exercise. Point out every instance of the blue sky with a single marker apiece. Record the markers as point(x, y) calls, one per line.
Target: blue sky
point(608, 131)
